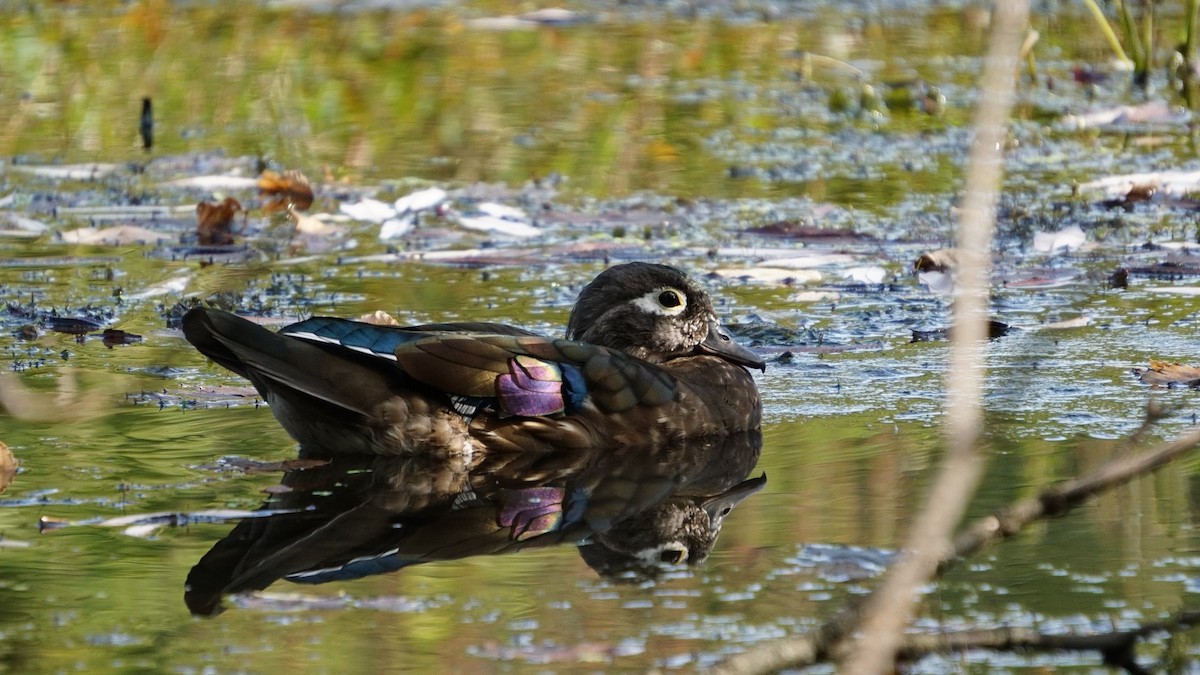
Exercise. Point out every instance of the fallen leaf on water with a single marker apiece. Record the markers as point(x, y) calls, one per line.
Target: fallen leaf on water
point(396, 227)
point(497, 225)
point(120, 235)
point(1039, 278)
point(288, 189)
point(8, 467)
point(16, 225)
point(214, 183)
point(1177, 183)
point(379, 318)
point(315, 226)
point(941, 260)
point(1166, 373)
point(1078, 322)
point(214, 221)
point(941, 283)
point(873, 274)
point(1138, 193)
point(420, 200)
point(1153, 111)
point(1175, 290)
point(368, 210)
point(1066, 239)
point(503, 211)
point(67, 171)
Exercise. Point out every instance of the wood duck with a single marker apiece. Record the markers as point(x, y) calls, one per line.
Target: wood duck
point(645, 361)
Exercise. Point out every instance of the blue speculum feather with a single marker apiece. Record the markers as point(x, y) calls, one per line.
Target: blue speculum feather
point(353, 334)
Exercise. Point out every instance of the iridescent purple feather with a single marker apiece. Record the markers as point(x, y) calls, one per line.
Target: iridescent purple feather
point(532, 512)
point(532, 387)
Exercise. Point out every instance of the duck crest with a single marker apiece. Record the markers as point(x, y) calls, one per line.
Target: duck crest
point(644, 358)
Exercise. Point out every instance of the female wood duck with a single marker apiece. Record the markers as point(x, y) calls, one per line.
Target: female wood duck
point(644, 361)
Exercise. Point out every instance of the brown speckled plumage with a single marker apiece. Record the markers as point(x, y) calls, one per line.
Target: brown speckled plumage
point(644, 362)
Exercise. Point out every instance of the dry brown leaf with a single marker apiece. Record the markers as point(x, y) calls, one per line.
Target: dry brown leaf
point(214, 221)
point(941, 260)
point(289, 189)
point(8, 467)
point(1165, 373)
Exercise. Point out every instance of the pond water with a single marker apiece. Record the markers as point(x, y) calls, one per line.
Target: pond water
point(670, 133)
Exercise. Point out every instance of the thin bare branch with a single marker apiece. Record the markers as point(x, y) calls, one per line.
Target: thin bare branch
point(929, 540)
point(819, 645)
point(1058, 499)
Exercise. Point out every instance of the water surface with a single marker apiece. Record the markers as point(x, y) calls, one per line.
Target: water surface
point(641, 133)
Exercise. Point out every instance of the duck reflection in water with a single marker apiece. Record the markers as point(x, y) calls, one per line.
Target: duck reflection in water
point(485, 438)
point(633, 512)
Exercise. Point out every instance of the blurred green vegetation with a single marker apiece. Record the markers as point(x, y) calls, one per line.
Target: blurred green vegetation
point(615, 106)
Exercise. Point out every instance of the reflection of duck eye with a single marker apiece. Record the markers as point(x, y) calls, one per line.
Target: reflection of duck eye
point(669, 299)
point(671, 556)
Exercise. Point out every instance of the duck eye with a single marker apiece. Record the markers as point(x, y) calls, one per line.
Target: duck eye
point(669, 299)
point(671, 556)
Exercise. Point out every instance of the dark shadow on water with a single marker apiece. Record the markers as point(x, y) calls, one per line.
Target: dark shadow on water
point(633, 512)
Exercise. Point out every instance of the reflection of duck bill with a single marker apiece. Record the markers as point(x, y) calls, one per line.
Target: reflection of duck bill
point(720, 505)
point(681, 530)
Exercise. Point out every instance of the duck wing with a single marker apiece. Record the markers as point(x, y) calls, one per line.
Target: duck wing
point(277, 364)
point(516, 372)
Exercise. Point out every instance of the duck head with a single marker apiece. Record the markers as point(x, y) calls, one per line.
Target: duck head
point(655, 313)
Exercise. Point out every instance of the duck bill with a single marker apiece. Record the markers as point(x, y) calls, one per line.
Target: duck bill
point(720, 505)
point(718, 343)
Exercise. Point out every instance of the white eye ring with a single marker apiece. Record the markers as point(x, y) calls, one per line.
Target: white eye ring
point(658, 301)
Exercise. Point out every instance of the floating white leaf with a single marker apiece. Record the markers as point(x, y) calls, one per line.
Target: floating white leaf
point(1066, 239)
point(421, 200)
point(368, 210)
